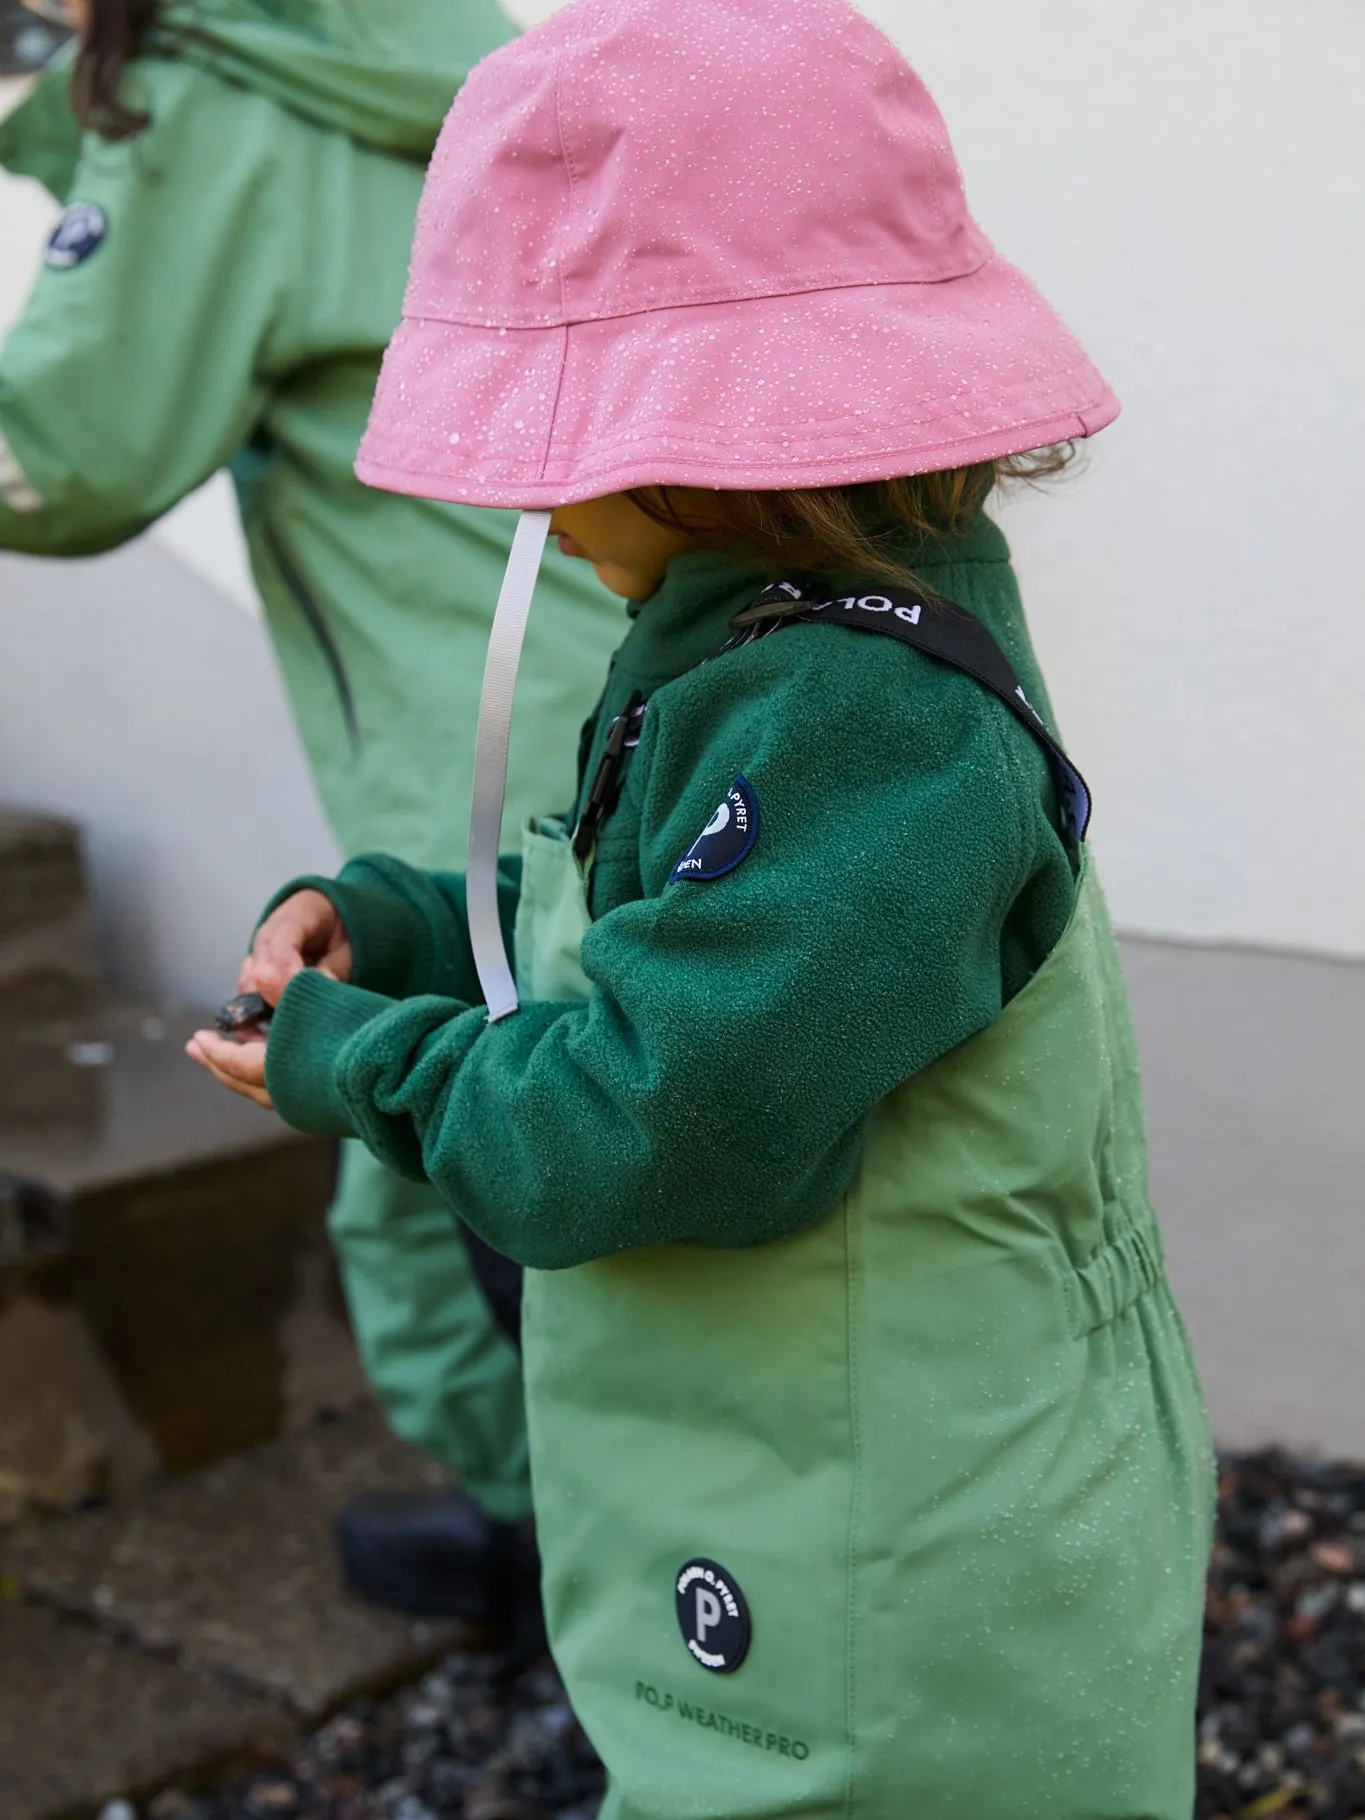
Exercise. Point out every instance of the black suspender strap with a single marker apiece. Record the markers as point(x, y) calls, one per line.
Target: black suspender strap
point(928, 623)
point(939, 628)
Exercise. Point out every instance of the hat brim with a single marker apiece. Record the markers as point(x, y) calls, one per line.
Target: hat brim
point(818, 389)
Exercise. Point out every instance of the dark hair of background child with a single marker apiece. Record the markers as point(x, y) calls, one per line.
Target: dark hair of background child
point(112, 37)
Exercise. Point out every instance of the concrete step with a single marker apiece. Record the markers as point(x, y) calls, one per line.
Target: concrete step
point(47, 950)
point(202, 1622)
point(85, 1718)
point(231, 1569)
point(166, 1291)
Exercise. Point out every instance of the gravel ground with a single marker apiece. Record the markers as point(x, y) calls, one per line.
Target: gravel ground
point(1281, 1712)
point(468, 1742)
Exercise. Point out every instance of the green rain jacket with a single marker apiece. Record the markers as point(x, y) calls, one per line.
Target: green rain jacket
point(871, 1471)
point(232, 305)
point(242, 279)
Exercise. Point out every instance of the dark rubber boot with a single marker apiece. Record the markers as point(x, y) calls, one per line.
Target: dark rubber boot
point(437, 1555)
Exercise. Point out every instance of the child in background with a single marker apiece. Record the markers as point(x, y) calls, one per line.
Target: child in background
point(239, 180)
point(870, 1467)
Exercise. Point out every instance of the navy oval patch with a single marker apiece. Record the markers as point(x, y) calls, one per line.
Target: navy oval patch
point(713, 1616)
point(78, 234)
point(726, 839)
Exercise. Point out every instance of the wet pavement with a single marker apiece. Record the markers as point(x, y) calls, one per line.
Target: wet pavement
point(198, 1630)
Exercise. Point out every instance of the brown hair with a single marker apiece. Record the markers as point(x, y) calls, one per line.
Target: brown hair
point(853, 529)
point(113, 36)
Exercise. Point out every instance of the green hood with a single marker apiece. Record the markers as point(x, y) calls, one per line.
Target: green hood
point(383, 72)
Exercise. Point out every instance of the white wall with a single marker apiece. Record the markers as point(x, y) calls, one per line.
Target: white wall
point(133, 696)
point(1187, 183)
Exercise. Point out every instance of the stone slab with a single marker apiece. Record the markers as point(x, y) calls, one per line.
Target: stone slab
point(189, 1281)
point(85, 1718)
point(157, 1110)
point(40, 863)
point(47, 951)
point(66, 1435)
point(183, 1231)
point(231, 1568)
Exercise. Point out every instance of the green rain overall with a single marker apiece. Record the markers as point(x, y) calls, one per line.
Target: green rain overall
point(871, 1471)
point(221, 292)
point(897, 1455)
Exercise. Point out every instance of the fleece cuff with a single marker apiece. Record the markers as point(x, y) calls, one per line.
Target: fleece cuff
point(313, 1022)
point(387, 935)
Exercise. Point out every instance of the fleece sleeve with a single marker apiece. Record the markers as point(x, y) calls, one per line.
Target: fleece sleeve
point(137, 368)
point(715, 1086)
point(408, 929)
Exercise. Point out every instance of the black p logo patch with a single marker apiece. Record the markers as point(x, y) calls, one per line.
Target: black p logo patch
point(726, 839)
point(712, 1616)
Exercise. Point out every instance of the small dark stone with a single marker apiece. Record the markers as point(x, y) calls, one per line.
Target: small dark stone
point(248, 1011)
point(173, 1804)
point(445, 1785)
point(271, 1798)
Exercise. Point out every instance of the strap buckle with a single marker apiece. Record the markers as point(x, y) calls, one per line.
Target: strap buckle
point(779, 601)
point(622, 736)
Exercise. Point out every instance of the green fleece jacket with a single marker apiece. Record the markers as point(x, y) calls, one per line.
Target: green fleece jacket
point(908, 877)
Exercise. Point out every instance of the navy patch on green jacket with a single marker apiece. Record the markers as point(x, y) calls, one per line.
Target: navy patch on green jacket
point(78, 234)
point(713, 1615)
point(726, 839)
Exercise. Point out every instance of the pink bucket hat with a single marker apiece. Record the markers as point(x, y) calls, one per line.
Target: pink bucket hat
point(710, 243)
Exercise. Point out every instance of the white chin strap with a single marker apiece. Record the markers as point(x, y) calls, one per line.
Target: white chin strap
point(490, 764)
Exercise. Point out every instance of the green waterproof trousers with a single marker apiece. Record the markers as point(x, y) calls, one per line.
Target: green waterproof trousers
point(906, 1517)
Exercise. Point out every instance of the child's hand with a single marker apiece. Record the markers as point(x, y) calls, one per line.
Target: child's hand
point(304, 932)
point(237, 1063)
